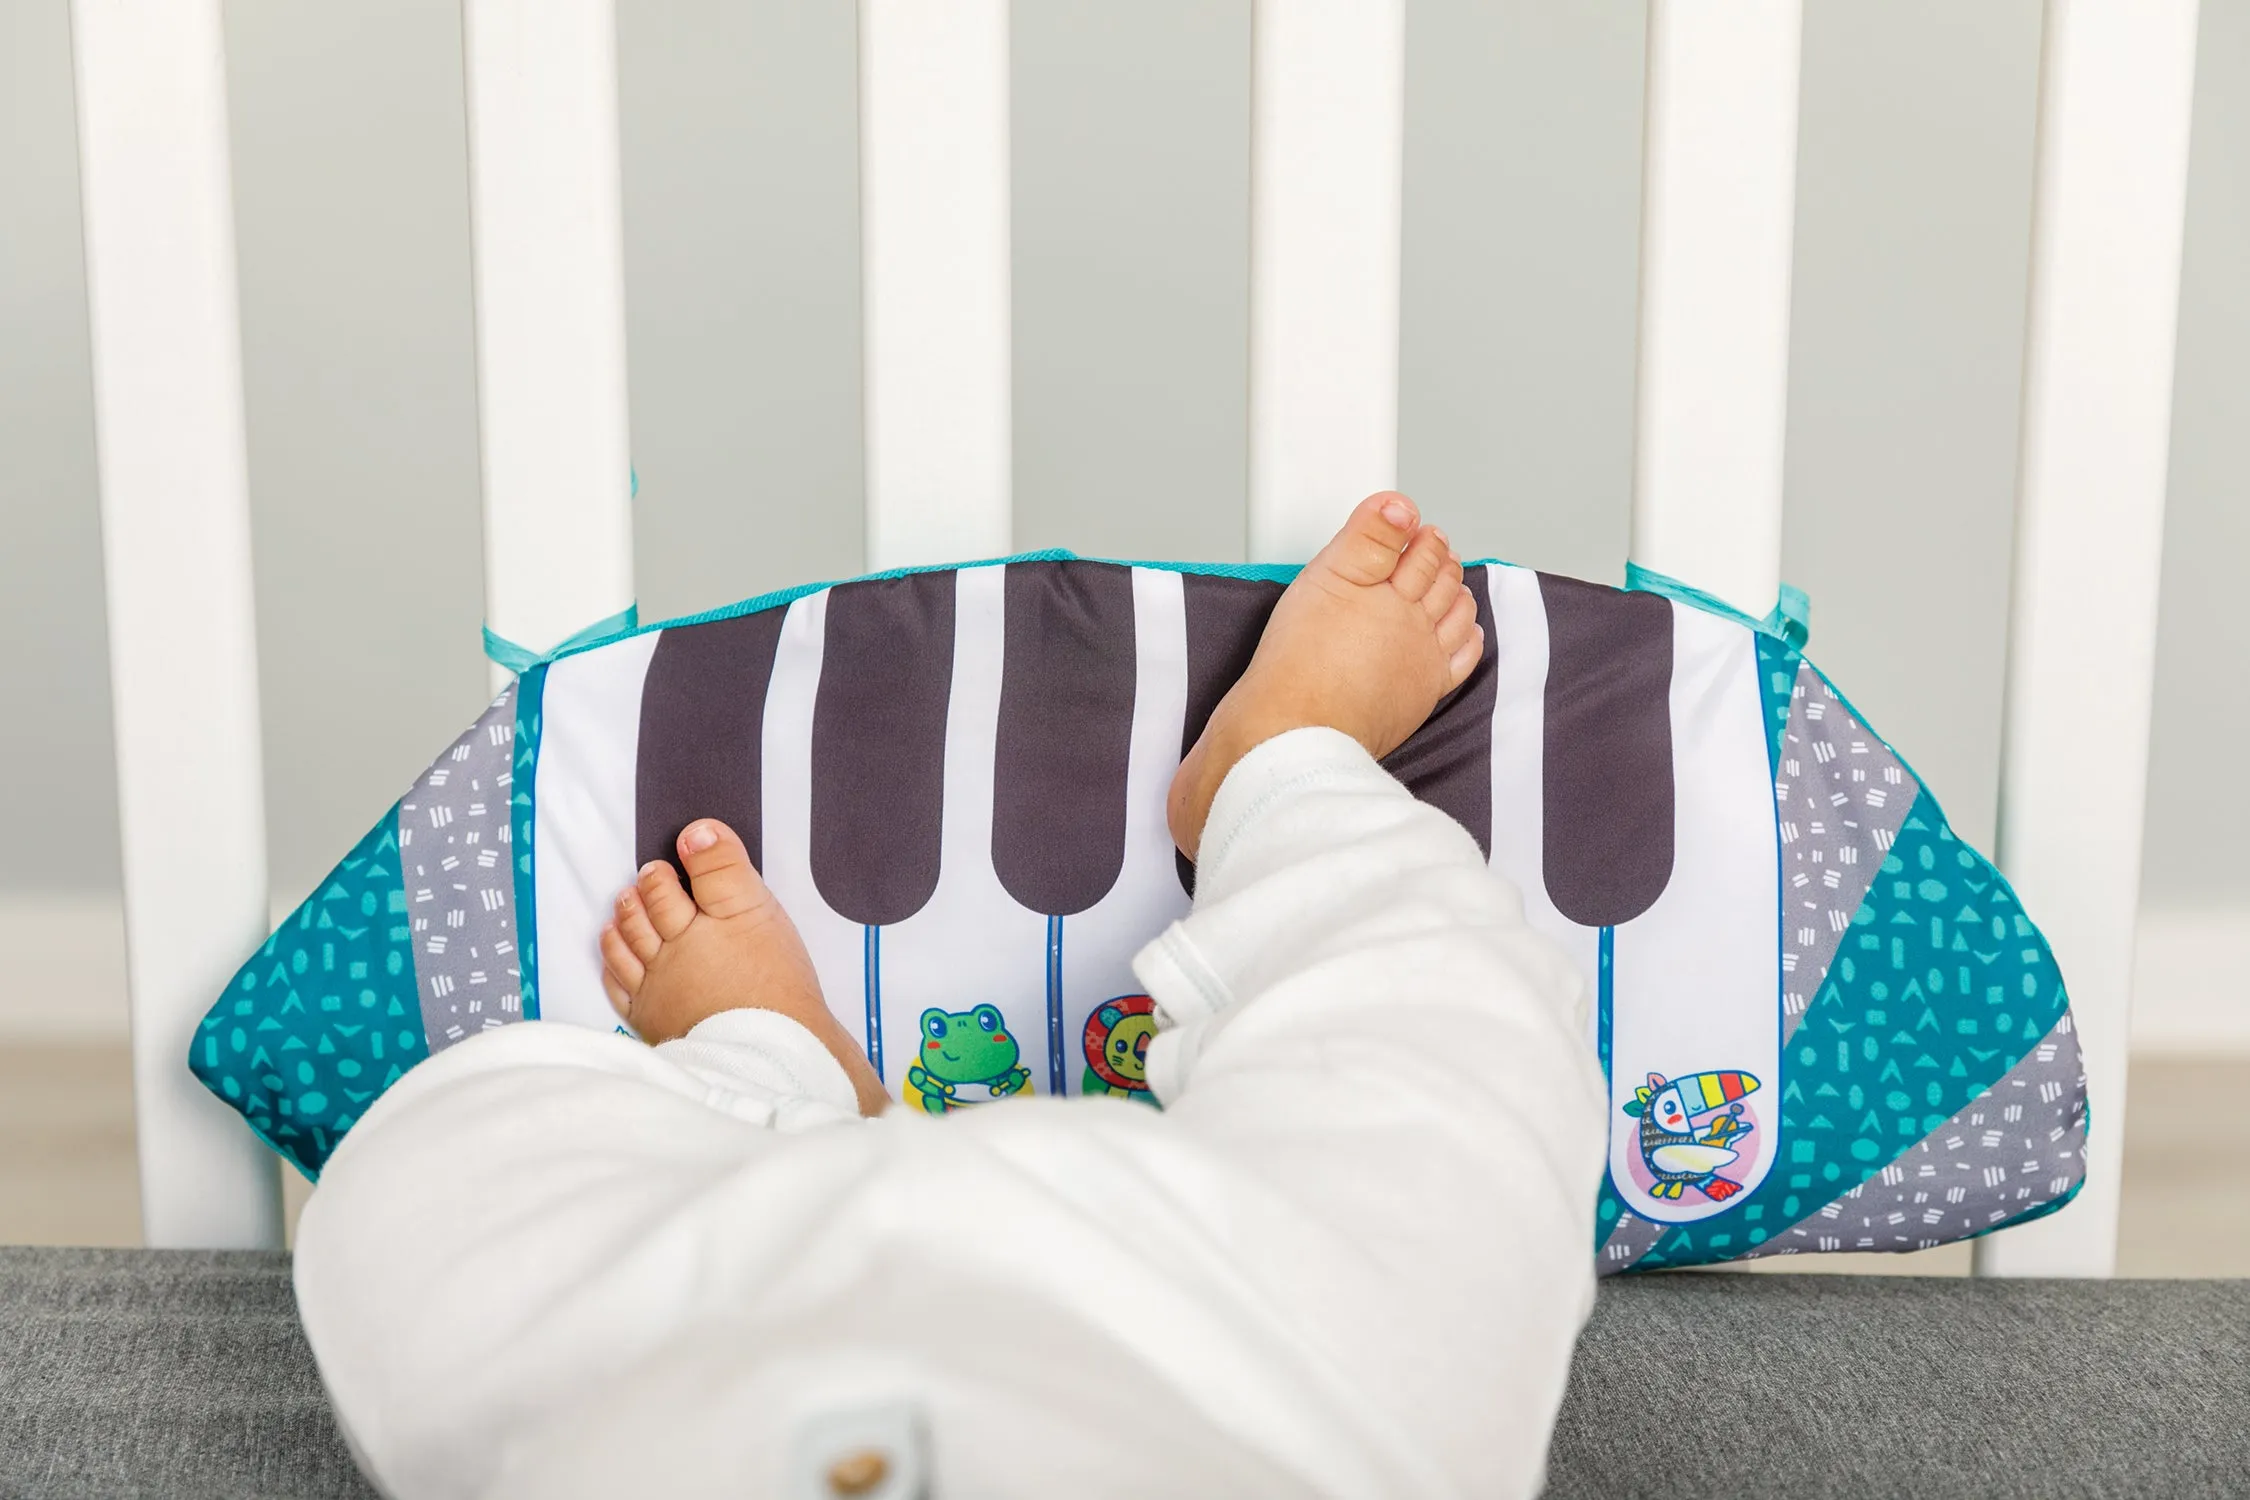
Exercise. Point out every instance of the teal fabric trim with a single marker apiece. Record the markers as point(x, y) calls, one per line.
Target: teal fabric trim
point(523, 790)
point(324, 1016)
point(521, 659)
point(1777, 689)
point(1789, 620)
point(775, 599)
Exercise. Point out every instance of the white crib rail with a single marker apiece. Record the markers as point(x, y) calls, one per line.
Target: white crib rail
point(549, 258)
point(1718, 198)
point(935, 259)
point(1328, 123)
point(167, 357)
point(2115, 89)
point(1718, 229)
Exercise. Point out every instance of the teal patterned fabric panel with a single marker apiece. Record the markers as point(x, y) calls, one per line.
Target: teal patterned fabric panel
point(325, 1016)
point(1941, 986)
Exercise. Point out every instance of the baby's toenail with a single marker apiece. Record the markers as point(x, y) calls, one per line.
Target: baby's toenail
point(625, 901)
point(652, 867)
point(1398, 512)
point(699, 838)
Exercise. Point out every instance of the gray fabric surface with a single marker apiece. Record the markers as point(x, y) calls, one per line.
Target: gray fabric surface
point(167, 1374)
point(1738, 1386)
point(132, 1372)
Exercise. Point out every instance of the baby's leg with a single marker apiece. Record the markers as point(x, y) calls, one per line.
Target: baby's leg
point(528, 1214)
point(1354, 1251)
point(1366, 1039)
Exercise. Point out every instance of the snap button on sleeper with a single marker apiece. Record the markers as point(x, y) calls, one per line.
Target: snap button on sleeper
point(859, 1473)
point(874, 1451)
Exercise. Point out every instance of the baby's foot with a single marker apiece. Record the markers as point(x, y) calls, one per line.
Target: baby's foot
point(1368, 638)
point(671, 959)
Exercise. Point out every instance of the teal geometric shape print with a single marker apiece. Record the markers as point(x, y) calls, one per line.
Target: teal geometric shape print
point(324, 1017)
point(1941, 985)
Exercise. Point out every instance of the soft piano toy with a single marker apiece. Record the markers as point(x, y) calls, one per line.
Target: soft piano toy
point(1825, 1020)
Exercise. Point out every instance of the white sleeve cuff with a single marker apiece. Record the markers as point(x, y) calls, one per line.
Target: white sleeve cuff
point(1187, 988)
point(1266, 778)
point(761, 1066)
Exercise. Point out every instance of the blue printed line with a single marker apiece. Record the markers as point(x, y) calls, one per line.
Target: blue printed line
point(1606, 990)
point(874, 971)
point(1054, 1006)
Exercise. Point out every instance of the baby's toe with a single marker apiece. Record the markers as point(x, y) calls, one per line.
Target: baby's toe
point(621, 968)
point(1366, 549)
point(1458, 625)
point(619, 1001)
point(726, 885)
point(633, 923)
point(1444, 589)
point(670, 909)
point(1425, 558)
point(1464, 657)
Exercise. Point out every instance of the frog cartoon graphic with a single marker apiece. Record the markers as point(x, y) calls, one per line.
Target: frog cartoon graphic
point(1116, 1045)
point(969, 1050)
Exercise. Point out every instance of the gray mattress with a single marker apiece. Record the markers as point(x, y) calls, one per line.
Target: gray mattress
point(152, 1373)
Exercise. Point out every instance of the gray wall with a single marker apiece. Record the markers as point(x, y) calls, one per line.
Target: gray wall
point(1131, 243)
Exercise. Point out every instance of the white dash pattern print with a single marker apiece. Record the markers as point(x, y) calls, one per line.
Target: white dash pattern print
point(454, 850)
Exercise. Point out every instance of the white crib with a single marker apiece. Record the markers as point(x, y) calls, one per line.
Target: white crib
point(1718, 220)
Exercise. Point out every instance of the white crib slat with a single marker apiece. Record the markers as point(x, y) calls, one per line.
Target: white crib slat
point(1718, 223)
point(2115, 91)
point(934, 174)
point(160, 283)
point(549, 262)
point(1327, 130)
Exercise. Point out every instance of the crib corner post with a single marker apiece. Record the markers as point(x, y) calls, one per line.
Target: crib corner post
point(936, 255)
point(547, 251)
point(2116, 87)
point(1327, 137)
point(169, 439)
point(1718, 238)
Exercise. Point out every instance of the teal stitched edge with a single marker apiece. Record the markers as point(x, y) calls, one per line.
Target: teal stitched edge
point(523, 789)
point(1258, 572)
point(511, 657)
point(1789, 620)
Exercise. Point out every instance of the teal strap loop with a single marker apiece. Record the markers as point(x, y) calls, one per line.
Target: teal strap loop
point(1789, 620)
point(1791, 617)
point(519, 659)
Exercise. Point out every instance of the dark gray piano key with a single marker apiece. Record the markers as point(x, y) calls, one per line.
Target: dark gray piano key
point(878, 745)
point(1608, 785)
point(703, 709)
point(1065, 734)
